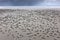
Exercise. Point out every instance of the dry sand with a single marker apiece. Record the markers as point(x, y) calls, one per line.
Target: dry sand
point(22, 24)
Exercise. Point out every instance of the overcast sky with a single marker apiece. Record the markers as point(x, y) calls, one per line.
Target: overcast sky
point(29, 2)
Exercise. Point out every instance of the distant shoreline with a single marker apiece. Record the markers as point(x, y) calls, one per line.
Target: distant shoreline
point(29, 7)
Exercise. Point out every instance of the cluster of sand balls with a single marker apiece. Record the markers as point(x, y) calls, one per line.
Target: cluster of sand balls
point(30, 25)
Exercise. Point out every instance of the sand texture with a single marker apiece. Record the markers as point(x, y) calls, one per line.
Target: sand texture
point(22, 24)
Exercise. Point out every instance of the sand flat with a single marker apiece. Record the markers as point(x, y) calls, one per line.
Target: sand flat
point(22, 24)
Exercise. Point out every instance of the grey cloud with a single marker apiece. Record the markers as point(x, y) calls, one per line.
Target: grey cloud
point(19, 2)
point(29, 2)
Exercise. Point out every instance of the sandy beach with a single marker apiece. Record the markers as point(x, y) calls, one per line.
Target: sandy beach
point(30, 24)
